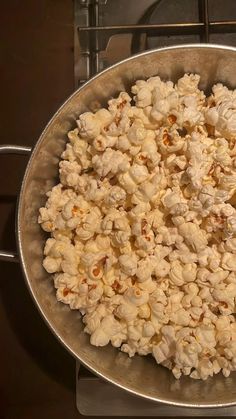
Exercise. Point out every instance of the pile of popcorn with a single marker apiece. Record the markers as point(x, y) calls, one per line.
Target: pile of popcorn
point(143, 225)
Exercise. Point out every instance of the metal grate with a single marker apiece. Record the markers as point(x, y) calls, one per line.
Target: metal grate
point(105, 32)
point(95, 397)
point(93, 30)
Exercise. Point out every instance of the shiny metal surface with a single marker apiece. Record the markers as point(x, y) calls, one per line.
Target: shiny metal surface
point(167, 27)
point(8, 256)
point(12, 149)
point(90, 390)
point(104, 34)
point(139, 375)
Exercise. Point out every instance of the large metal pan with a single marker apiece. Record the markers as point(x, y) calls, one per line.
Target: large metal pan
point(141, 376)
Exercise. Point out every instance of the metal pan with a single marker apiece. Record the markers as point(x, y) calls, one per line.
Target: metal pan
point(139, 375)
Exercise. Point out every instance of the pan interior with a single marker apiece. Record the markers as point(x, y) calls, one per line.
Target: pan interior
point(140, 375)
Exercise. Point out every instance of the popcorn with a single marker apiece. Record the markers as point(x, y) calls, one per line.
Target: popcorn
point(119, 105)
point(223, 117)
point(145, 244)
point(189, 272)
point(161, 352)
point(143, 225)
point(162, 269)
point(101, 142)
point(149, 285)
point(144, 270)
point(128, 263)
point(136, 133)
point(176, 273)
point(116, 196)
point(52, 264)
point(148, 329)
point(69, 173)
point(121, 235)
point(144, 312)
point(108, 221)
point(136, 296)
point(143, 98)
point(104, 117)
point(229, 261)
point(89, 126)
point(127, 311)
point(188, 84)
point(171, 198)
point(205, 336)
point(93, 319)
point(112, 161)
point(181, 317)
point(194, 236)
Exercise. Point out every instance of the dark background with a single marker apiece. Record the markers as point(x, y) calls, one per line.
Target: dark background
point(37, 376)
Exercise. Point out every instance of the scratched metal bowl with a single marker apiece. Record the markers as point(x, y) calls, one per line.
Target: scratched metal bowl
point(141, 375)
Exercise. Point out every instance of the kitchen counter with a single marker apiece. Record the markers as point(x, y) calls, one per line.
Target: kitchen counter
point(37, 377)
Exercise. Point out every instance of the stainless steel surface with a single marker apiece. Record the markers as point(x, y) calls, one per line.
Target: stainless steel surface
point(12, 149)
point(96, 397)
point(145, 24)
point(207, 23)
point(104, 34)
point(139, 375)
point(8, 256)
point(166, 27)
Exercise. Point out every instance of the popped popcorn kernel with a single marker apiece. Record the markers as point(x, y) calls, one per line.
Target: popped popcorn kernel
point(143, 225)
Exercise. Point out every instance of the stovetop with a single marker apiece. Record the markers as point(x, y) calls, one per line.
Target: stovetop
point(37, 374)
point(95, 397)
point(105, 32)
point(39, 40)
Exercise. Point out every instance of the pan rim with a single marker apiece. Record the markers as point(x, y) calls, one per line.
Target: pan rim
point(19, 232)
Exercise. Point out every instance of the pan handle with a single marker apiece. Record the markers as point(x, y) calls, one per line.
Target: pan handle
point(12, 149)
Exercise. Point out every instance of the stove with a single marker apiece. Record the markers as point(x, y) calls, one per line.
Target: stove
point(38, 46)
point(105, 32)
point(95, 397)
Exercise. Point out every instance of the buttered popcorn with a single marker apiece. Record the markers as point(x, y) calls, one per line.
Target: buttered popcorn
point(143, 225)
